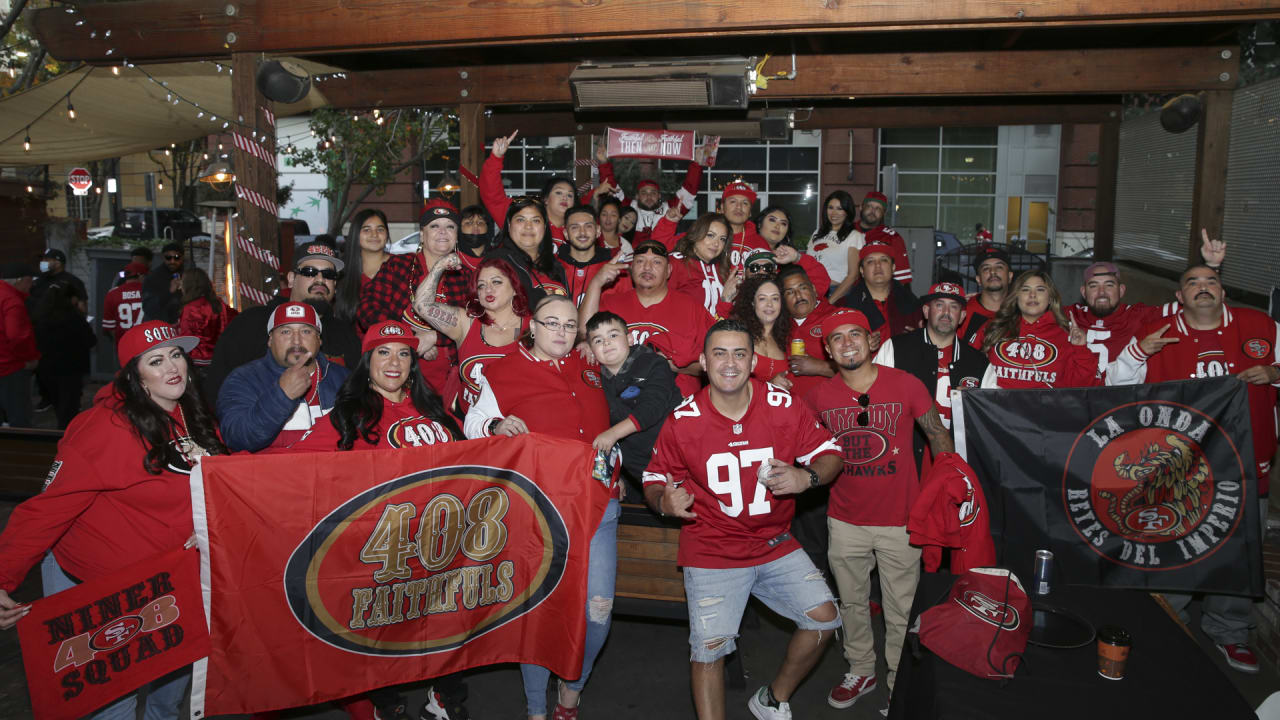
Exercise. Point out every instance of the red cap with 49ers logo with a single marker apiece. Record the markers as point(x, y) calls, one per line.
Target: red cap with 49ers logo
point(294, 312)
point(387, 331)
point(150, 335)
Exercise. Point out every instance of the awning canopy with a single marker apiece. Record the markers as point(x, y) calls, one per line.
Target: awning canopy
point(142, 108)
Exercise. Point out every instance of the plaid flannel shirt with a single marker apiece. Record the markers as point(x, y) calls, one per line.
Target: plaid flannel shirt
point(389, 295)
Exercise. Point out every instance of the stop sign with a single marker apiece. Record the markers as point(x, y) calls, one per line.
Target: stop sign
point(80, 180)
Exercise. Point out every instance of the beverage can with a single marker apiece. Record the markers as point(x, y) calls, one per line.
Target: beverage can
point(797, 346)
point(1043, 569)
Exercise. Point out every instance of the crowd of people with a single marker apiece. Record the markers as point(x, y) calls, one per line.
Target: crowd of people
point(733, 380)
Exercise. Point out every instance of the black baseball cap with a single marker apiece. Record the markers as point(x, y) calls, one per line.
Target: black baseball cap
point(989, 252)
point(56, 254)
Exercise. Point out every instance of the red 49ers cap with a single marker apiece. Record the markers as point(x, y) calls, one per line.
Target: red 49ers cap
point(837, 319)
point(387, 331)
point(877, 197)
point(436, 209)
point(151, 335)
point(739, 188)
point(294, 312)
point(874, 248)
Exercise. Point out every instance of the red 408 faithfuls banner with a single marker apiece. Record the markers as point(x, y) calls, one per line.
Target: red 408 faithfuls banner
point(330, 574)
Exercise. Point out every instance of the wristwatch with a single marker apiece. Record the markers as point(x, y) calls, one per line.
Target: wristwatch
point(493, 425)
point(814, 481)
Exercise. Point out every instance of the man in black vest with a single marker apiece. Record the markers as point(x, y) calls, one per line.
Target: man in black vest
point(933, 354)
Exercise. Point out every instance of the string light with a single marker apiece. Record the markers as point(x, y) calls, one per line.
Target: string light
point(26, 141)
point(115, 69)
point(71, 109)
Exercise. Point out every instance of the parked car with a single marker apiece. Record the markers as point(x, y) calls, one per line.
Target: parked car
point(97, 233)
point(176, 223)
point(955, 264)
point(405, 245)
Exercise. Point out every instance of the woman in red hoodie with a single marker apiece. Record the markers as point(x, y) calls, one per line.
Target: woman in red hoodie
point(1032, 344)
point(203, 316)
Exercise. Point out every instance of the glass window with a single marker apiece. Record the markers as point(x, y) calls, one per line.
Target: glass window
point(917, 211)
point(791, 182)
point(793, 158)
point(969, 159)
point(908, 159)
point(730, 158)
point(967, 184)
point(918, 183)
point(958, 214)
point(970, 136)
point(909, 136)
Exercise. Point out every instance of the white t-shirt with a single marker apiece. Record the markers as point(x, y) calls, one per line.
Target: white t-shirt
point(834, 254)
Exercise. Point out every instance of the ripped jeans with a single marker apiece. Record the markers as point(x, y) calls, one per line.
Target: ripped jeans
point(790, 585)
point(601, 573)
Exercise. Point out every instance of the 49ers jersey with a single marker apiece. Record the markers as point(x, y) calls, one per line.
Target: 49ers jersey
point(1107, 336)
point(473, 354)
point(401, 426)
point(122, 308)
point(740, 522)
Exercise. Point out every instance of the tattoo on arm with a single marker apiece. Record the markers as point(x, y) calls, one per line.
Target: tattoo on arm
point(939, 438)
point(442, 317)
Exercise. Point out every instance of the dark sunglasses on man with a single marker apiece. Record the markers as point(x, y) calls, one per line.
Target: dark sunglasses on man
point(761, 268)
point(308, 271)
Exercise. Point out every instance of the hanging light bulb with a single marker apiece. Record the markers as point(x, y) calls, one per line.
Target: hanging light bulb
point(115, 69)
point(160, 184)
point(166, 152)
point(71, 109)
point(26, 142)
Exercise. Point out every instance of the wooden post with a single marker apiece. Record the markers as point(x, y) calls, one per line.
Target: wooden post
point(582, 150)
point(1208, 201)
point(250, 110)
point(471, 155)
point(1104, 221)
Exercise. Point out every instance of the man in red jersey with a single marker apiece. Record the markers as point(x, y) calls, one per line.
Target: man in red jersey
point(870, 228)
point(736, 201)
point(872, 410)
point(122, 307)
point(668, 320)
point(1206, 338)
point(992, 269)
point(726, 461)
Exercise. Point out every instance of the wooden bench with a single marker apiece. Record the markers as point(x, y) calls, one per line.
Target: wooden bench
point(25, 457)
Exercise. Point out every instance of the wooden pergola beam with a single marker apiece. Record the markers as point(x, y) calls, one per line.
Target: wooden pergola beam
point(154, 30)
point(870, 75)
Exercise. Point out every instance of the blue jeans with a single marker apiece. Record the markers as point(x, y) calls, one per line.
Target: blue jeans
point(602, 570)
point(164, 696)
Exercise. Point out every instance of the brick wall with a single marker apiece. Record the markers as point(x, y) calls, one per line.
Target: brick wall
point(1078, 178)
point(836, 166)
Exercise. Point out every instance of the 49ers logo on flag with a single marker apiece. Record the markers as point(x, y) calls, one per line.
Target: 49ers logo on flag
point(102, 639)
point(1154, 501)
point(440, 572)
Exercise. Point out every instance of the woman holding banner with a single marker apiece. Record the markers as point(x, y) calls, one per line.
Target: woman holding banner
point(1032, 344)
point(386, 403)
point(546, 387)
point(119, 490)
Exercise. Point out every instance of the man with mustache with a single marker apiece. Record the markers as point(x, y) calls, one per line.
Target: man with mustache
point(312, 281)
point(870, 228)
point(1206, 338)
point(274, 400)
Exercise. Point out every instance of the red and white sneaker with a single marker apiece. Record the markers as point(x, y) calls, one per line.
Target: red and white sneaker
point(850, 688)
point(1240, 657)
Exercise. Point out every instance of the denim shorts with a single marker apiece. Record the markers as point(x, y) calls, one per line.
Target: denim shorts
point(791, 586)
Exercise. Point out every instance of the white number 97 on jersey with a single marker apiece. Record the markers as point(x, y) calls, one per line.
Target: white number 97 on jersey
point(724, 478)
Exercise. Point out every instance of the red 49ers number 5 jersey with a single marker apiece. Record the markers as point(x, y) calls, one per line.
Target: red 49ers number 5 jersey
point(740, 523)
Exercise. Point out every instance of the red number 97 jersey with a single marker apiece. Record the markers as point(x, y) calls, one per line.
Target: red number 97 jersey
point(740, 523)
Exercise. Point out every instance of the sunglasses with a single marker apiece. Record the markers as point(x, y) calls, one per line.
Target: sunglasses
point(172, 257)
point(310, 272)
point(757, 268)
point(863, 418)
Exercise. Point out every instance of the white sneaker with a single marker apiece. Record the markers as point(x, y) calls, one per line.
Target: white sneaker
point(763, 711)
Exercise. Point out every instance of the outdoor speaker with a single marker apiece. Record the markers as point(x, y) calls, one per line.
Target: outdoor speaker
point(1181, 113)
point(283, 82)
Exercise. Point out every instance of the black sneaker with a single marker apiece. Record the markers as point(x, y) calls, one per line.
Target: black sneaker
point(438, 707)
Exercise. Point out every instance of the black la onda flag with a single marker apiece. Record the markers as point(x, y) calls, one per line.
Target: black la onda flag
point(1142, 486)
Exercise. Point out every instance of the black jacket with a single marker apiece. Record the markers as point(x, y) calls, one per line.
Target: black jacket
point(645, 390)
point(44, 280)
point(904, 308)
point(523, 264)
point(157, 302)
point(65, 340)
point(245, 340)
point(913, 352)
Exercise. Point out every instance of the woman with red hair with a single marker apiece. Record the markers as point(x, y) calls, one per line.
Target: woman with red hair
point(495, 316)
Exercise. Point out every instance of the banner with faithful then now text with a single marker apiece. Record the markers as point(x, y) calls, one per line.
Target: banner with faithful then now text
point(662, 144)
point(1142, 486)
point(102, 639)
point(330, 574)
